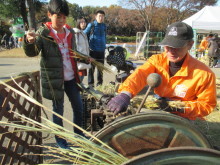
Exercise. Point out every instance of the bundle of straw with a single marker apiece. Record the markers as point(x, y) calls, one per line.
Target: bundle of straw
point(99, 65)
point(82, 56)
point(82, 150)
point(153, 104)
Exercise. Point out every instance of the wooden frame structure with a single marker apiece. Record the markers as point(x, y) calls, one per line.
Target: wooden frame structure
point(19, 147)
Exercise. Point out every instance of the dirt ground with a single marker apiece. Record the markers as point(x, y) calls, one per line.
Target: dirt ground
point(13, 62)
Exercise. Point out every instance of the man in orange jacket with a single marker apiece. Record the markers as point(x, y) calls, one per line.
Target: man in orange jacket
point(204, 44)
point(184, 78)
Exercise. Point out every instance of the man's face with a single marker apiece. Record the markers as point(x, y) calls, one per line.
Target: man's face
point(177, 54)
point(100, 18)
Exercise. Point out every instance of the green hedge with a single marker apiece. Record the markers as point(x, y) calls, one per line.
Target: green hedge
point(121, 39)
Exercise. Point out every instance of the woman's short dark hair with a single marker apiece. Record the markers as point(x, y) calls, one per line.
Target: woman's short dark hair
point(58, 7)
point(100, 12)
point(78, 22)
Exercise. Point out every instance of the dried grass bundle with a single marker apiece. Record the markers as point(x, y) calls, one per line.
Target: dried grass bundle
point(81, 56)
point(101, 67)
point(106, 88)
point(150, 103)
point(83, 151)
point(153, 104)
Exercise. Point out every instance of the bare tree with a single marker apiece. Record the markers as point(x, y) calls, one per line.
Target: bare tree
point(199, 4)
point(123, 21)
point(177, 10)
point(157, 14)
point(147, 9)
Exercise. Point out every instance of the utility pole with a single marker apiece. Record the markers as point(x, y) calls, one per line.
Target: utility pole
point(31, 13)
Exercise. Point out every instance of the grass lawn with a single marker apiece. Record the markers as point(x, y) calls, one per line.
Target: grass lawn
point(13, 53)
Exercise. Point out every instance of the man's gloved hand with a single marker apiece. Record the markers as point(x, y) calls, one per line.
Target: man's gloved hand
point(119, 103)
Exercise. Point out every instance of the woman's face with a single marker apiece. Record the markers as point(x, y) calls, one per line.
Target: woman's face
point(82, 24)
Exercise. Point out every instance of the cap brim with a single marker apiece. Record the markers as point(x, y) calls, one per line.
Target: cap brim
point(173, 42)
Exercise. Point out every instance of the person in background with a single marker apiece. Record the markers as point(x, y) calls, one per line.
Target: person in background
point(82, 43)
point(5, 40)
point(204, 44)
point(58, 68)
point(209, 37)
point(203, 47)
point(214, 50)
point(96, 32)
point(20, 41)
point(11, 42)
point(16, 42)
point(184, 78)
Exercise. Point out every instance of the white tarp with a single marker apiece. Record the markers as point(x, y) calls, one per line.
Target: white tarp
point(206, 20)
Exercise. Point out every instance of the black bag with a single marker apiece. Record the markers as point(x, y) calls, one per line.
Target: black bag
point(116, 56)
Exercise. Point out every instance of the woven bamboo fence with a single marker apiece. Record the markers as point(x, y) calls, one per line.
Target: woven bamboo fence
point(19, 147)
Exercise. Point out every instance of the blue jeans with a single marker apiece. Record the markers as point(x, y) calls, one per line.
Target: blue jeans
point(98, 56)
point(72, 91)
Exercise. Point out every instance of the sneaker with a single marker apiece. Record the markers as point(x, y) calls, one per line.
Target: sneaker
point(99, 84)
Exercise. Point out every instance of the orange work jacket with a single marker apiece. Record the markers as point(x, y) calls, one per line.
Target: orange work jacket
point(194, 84)
point(203, 45)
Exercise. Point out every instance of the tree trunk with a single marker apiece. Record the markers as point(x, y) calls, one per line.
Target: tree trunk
point(31, 14)
point(23, 13)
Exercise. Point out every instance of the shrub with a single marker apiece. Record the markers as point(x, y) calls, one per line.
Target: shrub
point(121, 39)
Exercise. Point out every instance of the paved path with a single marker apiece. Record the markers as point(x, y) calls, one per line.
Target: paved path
point(14, 66)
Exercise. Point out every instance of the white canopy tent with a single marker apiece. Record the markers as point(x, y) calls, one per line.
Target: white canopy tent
point(206, 20)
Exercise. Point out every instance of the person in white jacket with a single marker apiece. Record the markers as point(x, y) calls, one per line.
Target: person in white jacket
point(82, 46)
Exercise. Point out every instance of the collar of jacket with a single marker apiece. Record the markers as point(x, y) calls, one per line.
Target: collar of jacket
point(96, 23)
point(183, 72)
point(76, 30)
point(48, 25)
point(47, 29)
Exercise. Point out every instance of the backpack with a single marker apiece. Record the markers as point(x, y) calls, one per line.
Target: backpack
point(116, 56)
point(93, 29)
